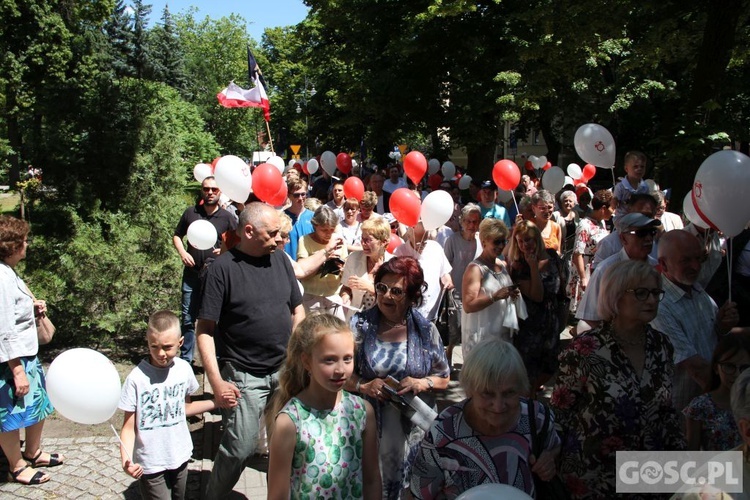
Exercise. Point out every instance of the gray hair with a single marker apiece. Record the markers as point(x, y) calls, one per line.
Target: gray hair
point(324, 216)
point(617, 279)
point(568, 194)
point(470, 208)
point(489, 364)
point(741, 397)
point(542, 195)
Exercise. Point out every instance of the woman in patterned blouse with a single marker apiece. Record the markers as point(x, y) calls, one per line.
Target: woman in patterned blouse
point(614, 387)
point(396, 342)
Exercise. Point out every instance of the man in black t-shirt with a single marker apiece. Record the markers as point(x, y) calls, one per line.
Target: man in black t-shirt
point(194, 259)
point(251, 304)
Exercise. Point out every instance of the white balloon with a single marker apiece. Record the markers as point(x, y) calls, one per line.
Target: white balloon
point(202, 234)
point(689, 210)
point(278, 162)
point(354, 163)
point(437, 208)
point(595, 145)
point(652, 185)
point(493, 491)
point(568, 181)
point(538, 161)
point(553, 179)
point(328, 162)
point(233, 178)
point(464, 182)
point(291, 163)
point(720, 191)
point(201, 171)
point(504, 196)
point(433, 166)
point(574, 171)
point(84, 386)
point(312, 165)
point(448, 170)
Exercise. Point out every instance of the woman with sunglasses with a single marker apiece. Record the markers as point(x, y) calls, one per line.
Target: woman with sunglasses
point(614, 385)
point(397, 343)
point(487, 289)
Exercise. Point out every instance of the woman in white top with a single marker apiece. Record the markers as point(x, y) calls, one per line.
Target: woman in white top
point(487, 288)
point(358, 290)
point(351, 227)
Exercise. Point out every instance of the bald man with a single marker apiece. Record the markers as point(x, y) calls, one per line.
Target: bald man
point(688, 315)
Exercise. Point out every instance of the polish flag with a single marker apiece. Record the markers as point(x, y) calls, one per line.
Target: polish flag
point(234, 96)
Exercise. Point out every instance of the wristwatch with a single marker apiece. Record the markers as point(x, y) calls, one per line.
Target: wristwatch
point(430, 383)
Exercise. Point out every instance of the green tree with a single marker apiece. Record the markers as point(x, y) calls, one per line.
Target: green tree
point(141, 49)
point(168, 57)
point(120, 41)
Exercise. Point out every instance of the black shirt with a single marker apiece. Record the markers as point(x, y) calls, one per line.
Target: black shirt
point(222, 220)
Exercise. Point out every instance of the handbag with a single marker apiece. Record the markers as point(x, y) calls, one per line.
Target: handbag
point(45, 330)
point(554, 489)
point(448, 317)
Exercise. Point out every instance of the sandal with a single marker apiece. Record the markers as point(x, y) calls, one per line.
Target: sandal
point(54, 460)
point(38, 478)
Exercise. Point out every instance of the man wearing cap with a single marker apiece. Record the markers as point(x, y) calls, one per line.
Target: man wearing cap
point(641, 203)
point(636, 233)
point(487, 203)
point(689, 316)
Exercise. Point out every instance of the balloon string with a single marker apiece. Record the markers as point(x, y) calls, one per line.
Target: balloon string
point(729, 266)
point(121, 443)
point(513, 194)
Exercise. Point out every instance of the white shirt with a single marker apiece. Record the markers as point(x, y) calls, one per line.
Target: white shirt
point(390, 186)
point(18, 337)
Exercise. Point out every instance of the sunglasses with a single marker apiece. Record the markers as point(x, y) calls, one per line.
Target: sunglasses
point(643, 293)
point(642, 233)
point(299, 195)
point(500, 242)
point(211, 190)
point(731, 368)
point(396, 292)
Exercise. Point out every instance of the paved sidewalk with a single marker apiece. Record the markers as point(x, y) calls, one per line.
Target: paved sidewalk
point(92, 468)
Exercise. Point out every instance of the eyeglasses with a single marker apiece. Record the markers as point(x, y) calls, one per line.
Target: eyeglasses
point(210, 189)
point(643, 232)
point(643, 293)
point(500, 242)
point(731, 368)
point(396, 292)
point(299, 195)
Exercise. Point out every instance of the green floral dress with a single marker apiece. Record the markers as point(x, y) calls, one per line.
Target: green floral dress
point(327, 459)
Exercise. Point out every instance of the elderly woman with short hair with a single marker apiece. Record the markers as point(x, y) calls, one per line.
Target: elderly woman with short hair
point(614, 386)
point(351, 227)
point(367, 206)
point(543, 205)
point(567, 219)
point(486, 438)
point(316, 254)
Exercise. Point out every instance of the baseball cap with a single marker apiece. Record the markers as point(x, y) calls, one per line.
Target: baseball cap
point(488, 185)
point(636, 221)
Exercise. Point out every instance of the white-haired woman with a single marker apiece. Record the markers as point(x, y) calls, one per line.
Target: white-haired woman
point(614, 386)
point(486, 438)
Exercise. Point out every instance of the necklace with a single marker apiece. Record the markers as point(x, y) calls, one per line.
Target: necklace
point(641, 340)
point(388, 324)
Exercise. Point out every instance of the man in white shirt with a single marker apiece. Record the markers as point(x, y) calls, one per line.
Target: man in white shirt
point(394, 181)
point(337, 202)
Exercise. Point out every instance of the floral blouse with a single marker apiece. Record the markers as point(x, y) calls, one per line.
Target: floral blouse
point(602, 405)
point(718, 429)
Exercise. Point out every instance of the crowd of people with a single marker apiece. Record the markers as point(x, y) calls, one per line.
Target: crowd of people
point(329, 327)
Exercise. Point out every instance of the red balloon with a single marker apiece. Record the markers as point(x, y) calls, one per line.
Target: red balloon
point(582, 188)
point(547, 166)
point(353, 188)
point(415, 165)
point(579, 182)
point(529, 166)
point(280, 197)
point(434, 181)
point(405, 206)
point(304, 168)
point(267, 181)
point(506, 175)
point(344, 163)
point(393, 243)
point(589, 171)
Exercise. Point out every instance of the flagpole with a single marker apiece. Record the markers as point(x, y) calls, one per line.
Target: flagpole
point(270, 139)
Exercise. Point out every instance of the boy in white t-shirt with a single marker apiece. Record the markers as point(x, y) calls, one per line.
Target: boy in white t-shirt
point(156, 402)
point(635, 170)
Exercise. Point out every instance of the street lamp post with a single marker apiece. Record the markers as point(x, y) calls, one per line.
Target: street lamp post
point(302, 100)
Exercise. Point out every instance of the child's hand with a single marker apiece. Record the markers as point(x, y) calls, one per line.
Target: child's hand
point(133, 470)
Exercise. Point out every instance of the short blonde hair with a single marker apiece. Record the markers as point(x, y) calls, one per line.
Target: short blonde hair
point(163, 321)
point(523, 229)
point(369, 200)
point(312, 204)
point(294, 183)
point(285, 222)
point(618, 278)
point(378, 228)
point(492, 229)
point(491, 363)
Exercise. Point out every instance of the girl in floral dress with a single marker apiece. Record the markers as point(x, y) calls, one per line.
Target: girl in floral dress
point(323, 441)
point(591, 230)
point(710, 424)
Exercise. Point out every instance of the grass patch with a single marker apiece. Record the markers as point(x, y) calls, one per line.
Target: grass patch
point(9, 203)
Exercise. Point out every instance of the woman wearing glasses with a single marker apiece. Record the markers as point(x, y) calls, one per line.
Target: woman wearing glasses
point(614, 387)
point(396, 341)
point(487, 289)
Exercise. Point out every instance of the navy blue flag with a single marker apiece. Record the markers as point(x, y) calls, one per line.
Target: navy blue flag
point(253, 69)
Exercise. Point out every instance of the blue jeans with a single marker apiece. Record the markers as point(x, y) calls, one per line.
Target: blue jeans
point(241, 427)
point(191, 303)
